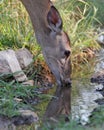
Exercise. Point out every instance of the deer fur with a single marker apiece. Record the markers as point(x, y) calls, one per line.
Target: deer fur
point(55, 44)
point(54, 41)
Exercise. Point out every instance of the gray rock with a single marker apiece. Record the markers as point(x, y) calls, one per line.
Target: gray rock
point(6, 124)
point(26, 118)
point(13, 62)
point(100, 38)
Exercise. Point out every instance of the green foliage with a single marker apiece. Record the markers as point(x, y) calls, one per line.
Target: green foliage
point(97, 117)
point(99, 4)
point(72, 125)
point(15, 26)
point(11, 91)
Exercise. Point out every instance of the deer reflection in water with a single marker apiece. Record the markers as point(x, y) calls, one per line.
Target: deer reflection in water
point(60, 105)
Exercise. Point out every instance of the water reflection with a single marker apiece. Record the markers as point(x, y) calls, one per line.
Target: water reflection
point(83, 102)
point(84, 93)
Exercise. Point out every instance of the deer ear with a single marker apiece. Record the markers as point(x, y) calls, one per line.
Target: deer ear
point(54, 20)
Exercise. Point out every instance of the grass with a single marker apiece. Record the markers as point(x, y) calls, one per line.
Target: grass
point(80, 18)
point(97, 117)
point(100, 10)
point(15, 27)
point(8, 93)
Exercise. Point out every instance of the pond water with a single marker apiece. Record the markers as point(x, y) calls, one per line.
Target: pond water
point(84, 95)
point(84, 92)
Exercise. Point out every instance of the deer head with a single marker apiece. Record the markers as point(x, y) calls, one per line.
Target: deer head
point(54, 41)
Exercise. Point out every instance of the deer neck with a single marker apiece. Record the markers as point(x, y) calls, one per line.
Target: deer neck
point(38, 10)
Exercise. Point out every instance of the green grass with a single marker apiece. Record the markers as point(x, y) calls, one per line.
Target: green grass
point(15, 27)
point(99, 4)
point(8, 92)
point(97, 118)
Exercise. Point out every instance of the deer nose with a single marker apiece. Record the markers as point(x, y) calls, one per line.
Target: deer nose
point(67, 53)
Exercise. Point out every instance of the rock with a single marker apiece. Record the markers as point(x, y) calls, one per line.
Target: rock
point(28, 82)
point(100, 38)
point(13, 62)
point(26, 117)
point(100, 101)
point(6, 124)
point(101, 91)
point(24, 57)
point(98, 77)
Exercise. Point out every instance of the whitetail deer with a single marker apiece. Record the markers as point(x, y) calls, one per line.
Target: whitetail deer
point(55, 45)
point(54, 41)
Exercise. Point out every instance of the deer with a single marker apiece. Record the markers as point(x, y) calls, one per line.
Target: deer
point(56, 49)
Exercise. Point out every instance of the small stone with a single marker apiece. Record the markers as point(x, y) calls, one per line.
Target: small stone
point(26, 117)
point(6, 124)
point(28, 82)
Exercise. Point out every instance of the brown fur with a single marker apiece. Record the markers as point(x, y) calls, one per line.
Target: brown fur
point(55, 43)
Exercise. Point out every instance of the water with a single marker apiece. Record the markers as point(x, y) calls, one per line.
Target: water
point(84, 92)
point(83, 102)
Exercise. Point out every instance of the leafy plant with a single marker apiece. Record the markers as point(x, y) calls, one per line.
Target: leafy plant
point(9, 92)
